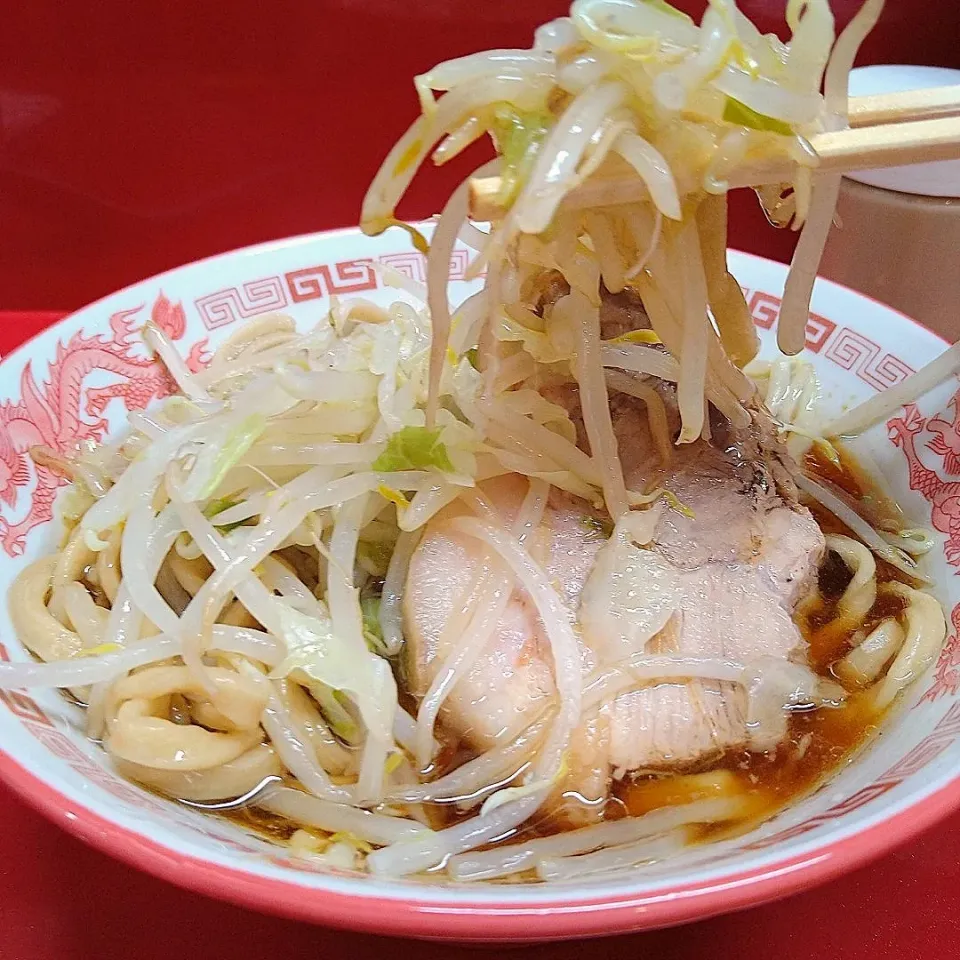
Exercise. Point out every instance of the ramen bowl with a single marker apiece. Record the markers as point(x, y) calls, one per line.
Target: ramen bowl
point(78, 379)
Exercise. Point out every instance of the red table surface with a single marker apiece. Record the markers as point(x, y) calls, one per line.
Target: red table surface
point(137, 136)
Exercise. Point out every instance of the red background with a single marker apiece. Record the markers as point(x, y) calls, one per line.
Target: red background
point(137, 136)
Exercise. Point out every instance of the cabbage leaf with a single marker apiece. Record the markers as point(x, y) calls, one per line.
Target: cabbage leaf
point(237, 443)
point(414, 448)
point(316, 655)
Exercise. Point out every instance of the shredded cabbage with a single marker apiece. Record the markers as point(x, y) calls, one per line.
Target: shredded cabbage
point(316, 655)
point(99, 649)
point(509, 794)
point(372, 631)
point(394, 496)
point(210, 470)
point(636, 336)
point(739, 113)
point(518, 136)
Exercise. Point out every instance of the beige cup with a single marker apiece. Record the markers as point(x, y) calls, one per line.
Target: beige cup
point(901, 249)
point(898, 233)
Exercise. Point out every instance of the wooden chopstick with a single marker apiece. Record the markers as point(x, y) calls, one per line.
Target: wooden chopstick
point(862, 148)
point(923, 104)
point(889, 145)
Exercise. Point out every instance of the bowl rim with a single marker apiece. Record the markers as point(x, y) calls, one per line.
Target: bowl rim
point(468, 919)
point(484, 921)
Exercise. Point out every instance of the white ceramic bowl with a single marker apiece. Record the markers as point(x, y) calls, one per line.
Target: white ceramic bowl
point(78, 379)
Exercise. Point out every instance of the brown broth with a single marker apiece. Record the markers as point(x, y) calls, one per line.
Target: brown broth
point(271, 826)
point(819, 742)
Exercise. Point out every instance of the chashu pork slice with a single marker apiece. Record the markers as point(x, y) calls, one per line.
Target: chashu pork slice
point(719, 577)
point(511, 682)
